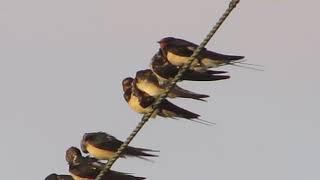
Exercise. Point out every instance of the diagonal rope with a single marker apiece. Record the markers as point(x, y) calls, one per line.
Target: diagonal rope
point(171, 84)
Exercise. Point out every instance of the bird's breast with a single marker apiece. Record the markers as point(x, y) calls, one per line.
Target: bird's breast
point(180, 60)
point(135, 105)
point(99, 153)
point(150, 88)
point(176, 59)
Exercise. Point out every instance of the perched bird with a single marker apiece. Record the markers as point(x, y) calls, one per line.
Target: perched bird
point(148, 82)
point(141, 102)
point(86, 168)
point(54, 176)
point(178, 51)
point(103, 146)
point(165, 71)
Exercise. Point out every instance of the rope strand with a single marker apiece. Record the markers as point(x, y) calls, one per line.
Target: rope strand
point(171, 84)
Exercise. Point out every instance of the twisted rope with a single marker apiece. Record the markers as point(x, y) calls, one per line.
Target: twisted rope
point(171, 84)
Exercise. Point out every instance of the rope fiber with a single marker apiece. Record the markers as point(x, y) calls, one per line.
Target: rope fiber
point(171, 84)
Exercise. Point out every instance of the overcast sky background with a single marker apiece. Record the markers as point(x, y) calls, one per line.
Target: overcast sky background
point(62, 62)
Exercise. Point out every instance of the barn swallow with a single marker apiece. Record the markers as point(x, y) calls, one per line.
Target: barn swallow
point(148, 82)
point(54, 176)
point(165, 71)
point(103, 146)
point(178, 51)
point(141, 102)
point(86, 168)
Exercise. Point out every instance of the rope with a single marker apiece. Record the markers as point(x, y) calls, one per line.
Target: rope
point(171, 84)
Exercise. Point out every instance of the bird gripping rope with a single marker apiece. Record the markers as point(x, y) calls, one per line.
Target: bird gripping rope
point(171, 84)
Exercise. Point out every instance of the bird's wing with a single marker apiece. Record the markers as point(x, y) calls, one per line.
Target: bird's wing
point(182, 47)
point(106, 142)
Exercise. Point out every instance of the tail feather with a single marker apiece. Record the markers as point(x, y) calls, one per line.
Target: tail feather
point(140, 152)
point(201, 121)
point(212, 59)
point(121, 176)
point(147, 150)
point(216, 59)
point(221, 57)
point(176, 111)
point(139, 178)
point(203, 76)
point(215, 72)
point(182, 113)
point(183, 93)
point(242, 64)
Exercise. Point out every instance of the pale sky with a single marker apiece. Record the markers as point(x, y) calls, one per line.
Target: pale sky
point(62, 62)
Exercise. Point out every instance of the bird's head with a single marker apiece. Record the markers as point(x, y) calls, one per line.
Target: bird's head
point(73, 154)
point(164, 42)
point(84, 142)
point(144, 74)
point(52, 176)
point(127, 83)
